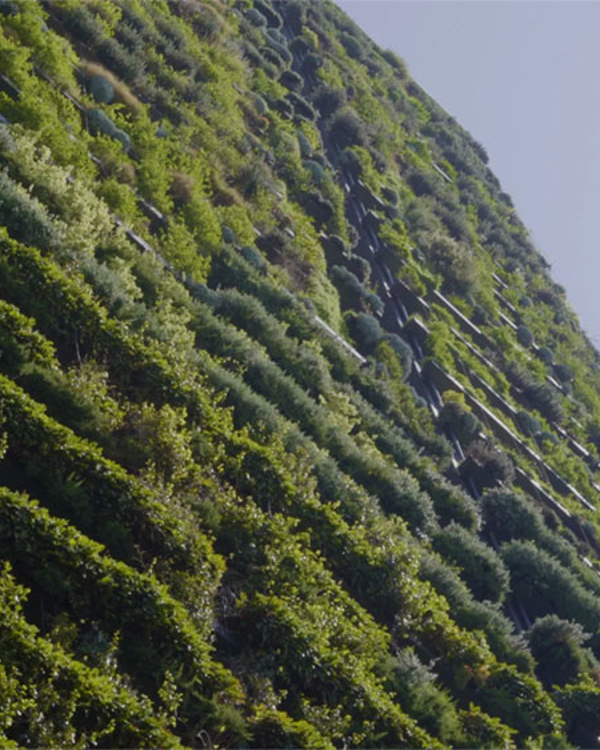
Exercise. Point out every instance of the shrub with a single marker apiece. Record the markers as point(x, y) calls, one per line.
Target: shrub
point(580, 704)
point(546, 355)
point(329, 99)
point(291, 80)
point(101, 89)
point(347, 129)
point(256, 18)
point(365, 330)
point(413, 683)
point(312, 62)
point(294, 13)
point(563, 372)
point(402, 350)
point(272, 57)
point(100, 123)
point(305, 146)
point(253, 257)
point(528, 424)
point(123, 138)
point(301, 107)
point(353, 293)
point(25, 217)
point(493, 465)
point(352, 46)
point(557, 646)
point(481, 568)
point(317, 172)
point(463, 422)
point(547, 587)
point(524, 336)
point(260, 105)
point(454, 261)
point(273, 18)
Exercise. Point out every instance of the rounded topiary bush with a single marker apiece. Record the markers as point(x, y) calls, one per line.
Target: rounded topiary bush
point(524, 336)
point(312, 62)
point(365, 330)
point(463, 422)
point(546, 355)
point(101, 89)
point(563, 373)
point(305, 147)
point(352, 46)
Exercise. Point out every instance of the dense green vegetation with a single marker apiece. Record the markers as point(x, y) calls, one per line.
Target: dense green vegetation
point(298, 438)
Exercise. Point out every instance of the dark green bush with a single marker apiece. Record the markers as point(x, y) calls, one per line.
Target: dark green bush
point(402, 350)
point(563, 373)
point(547, 587)
point(347, 129)
point(272, 16)
point(493, 465)
point(301, 107)
point(328, 99)
point(256, 18)
point(366, 331)
point(25, 217)
point(545, 354)
point(352, 46)
point(311, 63)
point(463, 422)
point(101, 89)
point(252, 256)
point(524, 336)
point(481, 568)
point(294, 13)
point(528, 424)
point(291, 80)
point(557, 647)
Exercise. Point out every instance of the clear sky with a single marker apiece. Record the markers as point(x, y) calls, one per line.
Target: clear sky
point(524, 79)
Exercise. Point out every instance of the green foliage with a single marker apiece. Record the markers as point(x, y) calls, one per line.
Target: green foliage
point(480, 567)
point(557, 647)
point(524, 336)
point(463, 422)
point(165, 254)
point(101, 89)
point(547, 587)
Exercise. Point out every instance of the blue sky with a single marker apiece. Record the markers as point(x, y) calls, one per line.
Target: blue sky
point(523, 79)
